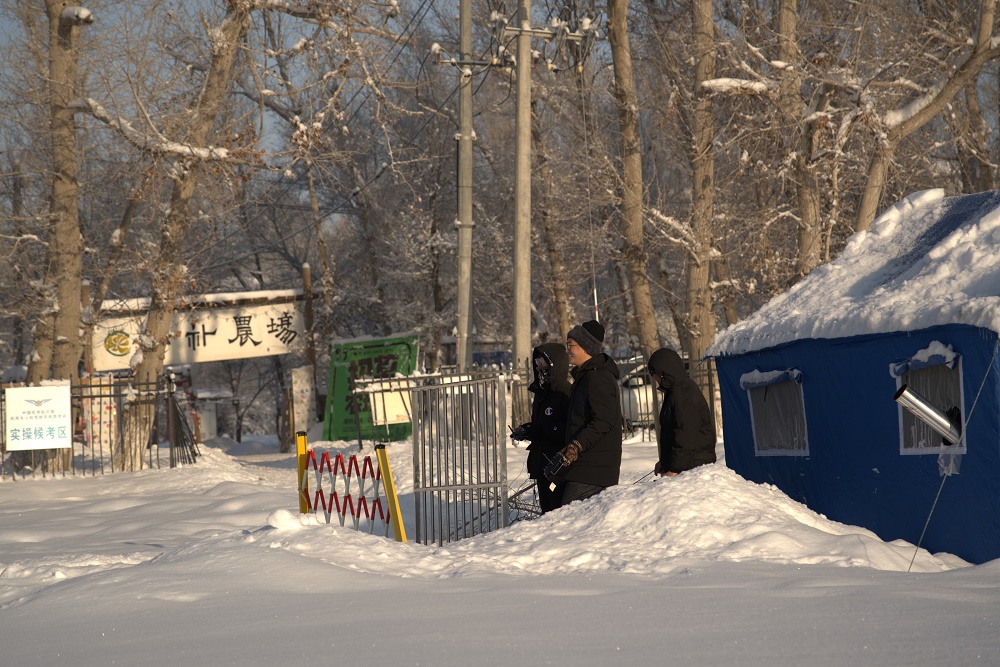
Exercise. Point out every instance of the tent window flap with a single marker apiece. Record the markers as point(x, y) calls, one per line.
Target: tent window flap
point(777, 412)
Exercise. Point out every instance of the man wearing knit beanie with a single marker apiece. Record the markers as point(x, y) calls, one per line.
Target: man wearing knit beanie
point(592, 458)
point(589, 336)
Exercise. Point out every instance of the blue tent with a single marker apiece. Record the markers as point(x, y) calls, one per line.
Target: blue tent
point(808, 381)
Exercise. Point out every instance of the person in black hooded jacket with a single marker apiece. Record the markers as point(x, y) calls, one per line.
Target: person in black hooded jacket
point(687, 429)
point(547, 428)
point(593, 451)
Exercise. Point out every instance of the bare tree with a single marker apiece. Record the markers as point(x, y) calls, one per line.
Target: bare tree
point(899, 123)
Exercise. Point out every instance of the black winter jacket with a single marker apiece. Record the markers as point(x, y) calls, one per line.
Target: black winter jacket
point(687, 429)
point(548, 409)
point(595, 420)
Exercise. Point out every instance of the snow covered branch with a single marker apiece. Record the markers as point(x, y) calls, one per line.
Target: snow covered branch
point(151, 141)
point(674, 231)
point(727, 85)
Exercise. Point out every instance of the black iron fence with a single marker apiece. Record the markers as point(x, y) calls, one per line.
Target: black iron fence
point(98, 407)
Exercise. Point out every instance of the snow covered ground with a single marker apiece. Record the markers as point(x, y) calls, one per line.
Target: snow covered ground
point(211, 565)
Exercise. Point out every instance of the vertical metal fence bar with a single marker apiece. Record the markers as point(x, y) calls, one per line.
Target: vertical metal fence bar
point(474, 518)
point(478, 504)
point(426, 465)
point(446, 479)
point(462, 479)
point(485, 509)
point(419, 424)
point(486, 445)
point(486, 516)
point(461, 433)
point(425, 470)
point(501, 400)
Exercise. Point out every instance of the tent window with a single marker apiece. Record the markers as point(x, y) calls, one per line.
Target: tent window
point(942, 387)
point(779, 419)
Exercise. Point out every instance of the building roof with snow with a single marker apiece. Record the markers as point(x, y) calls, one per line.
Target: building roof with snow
point(929, 260)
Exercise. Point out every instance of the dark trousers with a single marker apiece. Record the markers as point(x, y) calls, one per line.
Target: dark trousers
point(549, 498)
point(579, 491)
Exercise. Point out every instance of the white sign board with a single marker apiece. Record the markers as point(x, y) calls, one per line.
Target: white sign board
point(204, 334)
point(37, 418)
point(388, 406)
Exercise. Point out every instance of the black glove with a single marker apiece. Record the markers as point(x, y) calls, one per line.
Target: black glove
point(522, 432)
point(571, 452)
point(555, 471)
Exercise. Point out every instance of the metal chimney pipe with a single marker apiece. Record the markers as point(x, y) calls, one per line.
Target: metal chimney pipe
point(921, 408)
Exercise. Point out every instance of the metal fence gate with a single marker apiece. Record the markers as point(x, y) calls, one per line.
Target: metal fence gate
point(459, 458)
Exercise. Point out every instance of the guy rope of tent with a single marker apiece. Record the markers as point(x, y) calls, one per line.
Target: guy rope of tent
point(946, 475)
point(346, 487)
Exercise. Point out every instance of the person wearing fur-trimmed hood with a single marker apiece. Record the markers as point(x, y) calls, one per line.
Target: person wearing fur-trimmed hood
point(547, 429)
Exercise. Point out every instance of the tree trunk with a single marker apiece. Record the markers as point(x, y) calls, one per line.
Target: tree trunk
point(628, 308)
point(65, 256)
point(326, 263)
point(677, 317)
point(559, 287)
point(721, 267)
point(322, 333)
point(432, 351)
point(977, 174)
point(634, 250)
point(878, 169)
point(701, 316)
point(806, 183)
point(169, 272)
point(18, 214)
point(57, 334)
point(370, 217)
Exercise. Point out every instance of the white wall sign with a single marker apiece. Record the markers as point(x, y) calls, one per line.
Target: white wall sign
point(37, 418)
point(204, 334)
point(388, 406)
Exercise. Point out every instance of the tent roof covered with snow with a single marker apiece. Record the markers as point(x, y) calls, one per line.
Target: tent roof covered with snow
point(808, 382)
point(928, 260)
